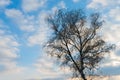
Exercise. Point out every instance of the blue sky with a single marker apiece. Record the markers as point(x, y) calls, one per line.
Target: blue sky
point(23, 32)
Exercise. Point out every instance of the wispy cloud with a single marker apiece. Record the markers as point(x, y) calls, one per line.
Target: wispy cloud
point(4, 3)
point(111, 25)
point(60, 5)
point(97, 3)
point(8, 53)
point(24, 22)
point(42, 33)
point(102, 4)
point(114, 14)
point(30, 20)
point(33, 5)
point(45, 65)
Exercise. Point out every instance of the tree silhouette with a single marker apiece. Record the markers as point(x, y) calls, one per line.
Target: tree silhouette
point(76, 41)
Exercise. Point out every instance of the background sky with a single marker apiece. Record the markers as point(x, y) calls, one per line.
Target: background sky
point(23, 32)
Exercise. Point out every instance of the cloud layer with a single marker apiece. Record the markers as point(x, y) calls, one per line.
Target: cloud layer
point(9, 52)
point(29, 18)
point(33, 5)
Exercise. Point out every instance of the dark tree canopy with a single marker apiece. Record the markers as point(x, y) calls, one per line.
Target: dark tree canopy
point(76, 41)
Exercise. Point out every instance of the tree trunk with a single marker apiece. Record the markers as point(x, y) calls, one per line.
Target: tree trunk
point(83, 75)
point(82, 69)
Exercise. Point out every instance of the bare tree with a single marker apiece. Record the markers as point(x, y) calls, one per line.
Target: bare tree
point(76, 41)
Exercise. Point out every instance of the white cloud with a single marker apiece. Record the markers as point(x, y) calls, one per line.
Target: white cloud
point(8, 52)
point(32, 5)
point(42, 33)
point(61, 4)
point(110, 10)
point(75, 1)
point(8, 46)
point(102, 4)
point(111, 29)
point(96, 3)
point(4, 3)
point(25, 22)
point(10, 67)
point(111, 34)
point(112, 60)
point(114, 14)
point(45, 65)
point(39, 38)
point(14, 13)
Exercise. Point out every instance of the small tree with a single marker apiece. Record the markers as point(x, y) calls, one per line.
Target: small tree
point(76, 44)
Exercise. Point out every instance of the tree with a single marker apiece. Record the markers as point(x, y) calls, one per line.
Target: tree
point(76, 41)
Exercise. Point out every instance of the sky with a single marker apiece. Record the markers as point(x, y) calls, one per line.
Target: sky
point(23, 32)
